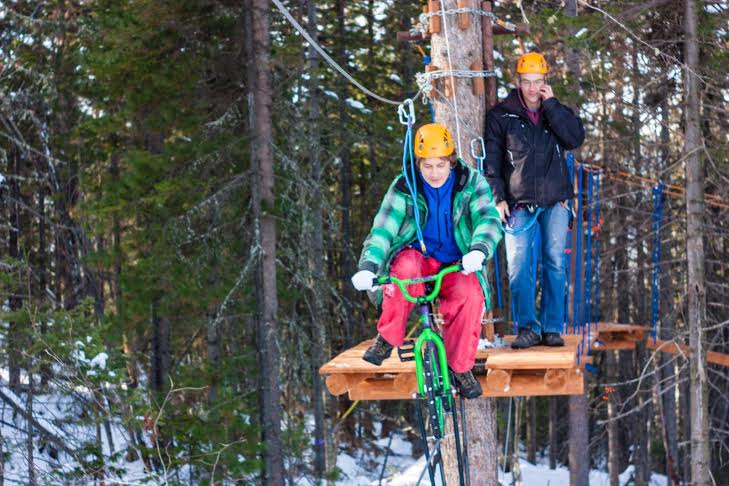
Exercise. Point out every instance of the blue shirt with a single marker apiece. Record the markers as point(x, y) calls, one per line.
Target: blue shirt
point(440, 240)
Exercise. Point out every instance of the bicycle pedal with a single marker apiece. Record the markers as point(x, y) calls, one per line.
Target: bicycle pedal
point(406, 351)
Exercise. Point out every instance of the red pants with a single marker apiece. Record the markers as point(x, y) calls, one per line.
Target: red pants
point(461, 303)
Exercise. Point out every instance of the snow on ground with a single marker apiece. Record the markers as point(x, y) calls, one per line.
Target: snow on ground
point(403, 470)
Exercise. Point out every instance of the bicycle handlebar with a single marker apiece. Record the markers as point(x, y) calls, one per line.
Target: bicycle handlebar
point(401, 284)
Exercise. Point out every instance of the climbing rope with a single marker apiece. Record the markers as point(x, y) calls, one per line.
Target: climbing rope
point(406, 113)
point(568, 247)
point(331, 61)
point(655, 278)
point(596, 230)
point(577, 297)
point(587, 304)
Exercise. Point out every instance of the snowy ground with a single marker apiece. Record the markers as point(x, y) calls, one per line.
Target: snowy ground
point(402, 470)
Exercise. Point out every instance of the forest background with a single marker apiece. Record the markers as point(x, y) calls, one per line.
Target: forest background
point(141, 331)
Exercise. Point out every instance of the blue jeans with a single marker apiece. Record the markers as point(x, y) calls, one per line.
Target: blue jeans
point(552, 222)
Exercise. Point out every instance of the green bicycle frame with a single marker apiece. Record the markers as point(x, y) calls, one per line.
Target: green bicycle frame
point(427, 333)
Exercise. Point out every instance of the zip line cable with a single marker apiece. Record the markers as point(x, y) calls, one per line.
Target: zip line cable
point(331, 61)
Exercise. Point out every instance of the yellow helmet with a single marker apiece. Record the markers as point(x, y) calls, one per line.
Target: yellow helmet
point(433, 140)
point(532, 62)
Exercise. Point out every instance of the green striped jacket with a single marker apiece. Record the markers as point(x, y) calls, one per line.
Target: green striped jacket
point(475, 220)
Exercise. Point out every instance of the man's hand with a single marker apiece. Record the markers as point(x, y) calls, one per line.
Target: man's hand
point(546, 92)
point(503, 209)
point(473, 261)
point(363, 280)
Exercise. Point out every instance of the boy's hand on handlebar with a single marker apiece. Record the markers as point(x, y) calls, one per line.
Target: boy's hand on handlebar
point(473, 261)
point(363, 280)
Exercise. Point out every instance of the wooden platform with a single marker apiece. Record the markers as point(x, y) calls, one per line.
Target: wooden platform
point(509, 372)
point(610, 335)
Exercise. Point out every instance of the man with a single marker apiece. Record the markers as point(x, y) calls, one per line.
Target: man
point(527, 136)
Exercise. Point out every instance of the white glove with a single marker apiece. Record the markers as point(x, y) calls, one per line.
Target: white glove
point(473, 261)
point(363, 280)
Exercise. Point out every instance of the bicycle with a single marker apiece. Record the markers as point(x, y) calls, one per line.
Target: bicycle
point(431, 369)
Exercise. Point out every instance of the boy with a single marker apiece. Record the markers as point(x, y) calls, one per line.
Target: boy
point(461, 223)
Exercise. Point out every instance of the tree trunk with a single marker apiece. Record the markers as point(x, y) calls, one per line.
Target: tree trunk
point(346, 267)
point(15, 301)
point(465, 48)
point(463, 113)
point(700, 452)
point(579, 455)
point(612, 426)
point(29, 429)
point(265, 226)
point(316, 255)
point(552, 432)
point(532, 429)
point(160, 355)
point(579, 431)
point(667, 398)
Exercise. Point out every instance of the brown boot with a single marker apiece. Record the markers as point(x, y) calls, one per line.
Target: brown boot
point(378, 352)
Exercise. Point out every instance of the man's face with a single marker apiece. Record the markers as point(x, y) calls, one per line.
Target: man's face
point(435, 170)
point(530, 85)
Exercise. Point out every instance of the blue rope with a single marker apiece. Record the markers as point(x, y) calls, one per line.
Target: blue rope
point(587, 304)
point(578, 255)
point(536, 250)
point(596, 307)
point(527, 226)
point(568, 246)
point(408, 158)
point(497, 275)
point(655, 279)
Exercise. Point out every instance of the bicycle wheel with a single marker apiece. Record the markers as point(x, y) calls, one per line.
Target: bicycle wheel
point(433, 389)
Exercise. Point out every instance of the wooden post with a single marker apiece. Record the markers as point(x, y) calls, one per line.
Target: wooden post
point(464, 19)
point(434, 83)
point(477, 86)
point(434, 24)
point(488, 55)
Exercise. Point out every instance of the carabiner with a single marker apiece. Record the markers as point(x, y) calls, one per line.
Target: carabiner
point(481, 157)
point(407, 119)
point(474, 147)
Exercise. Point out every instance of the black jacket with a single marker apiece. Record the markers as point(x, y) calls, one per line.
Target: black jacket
point(525, 164)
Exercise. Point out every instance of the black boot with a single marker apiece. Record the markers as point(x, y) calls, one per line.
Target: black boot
point(526, 339)
point(378, 352)
point(552, 339)
point(467, 384)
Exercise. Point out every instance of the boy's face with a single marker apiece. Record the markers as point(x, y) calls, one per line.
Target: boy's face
point(435, 170)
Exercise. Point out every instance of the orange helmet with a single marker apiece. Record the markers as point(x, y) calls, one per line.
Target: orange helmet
point(433, 140)
point(532, 62)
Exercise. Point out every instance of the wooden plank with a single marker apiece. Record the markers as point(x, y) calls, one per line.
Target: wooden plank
point(619, 344)
point(341, 383)
point(676, 348)
point(537, 357)
point(350, 361)
point(528, 385)
point(522, 383)
point(381, 389)
point(616, 327)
